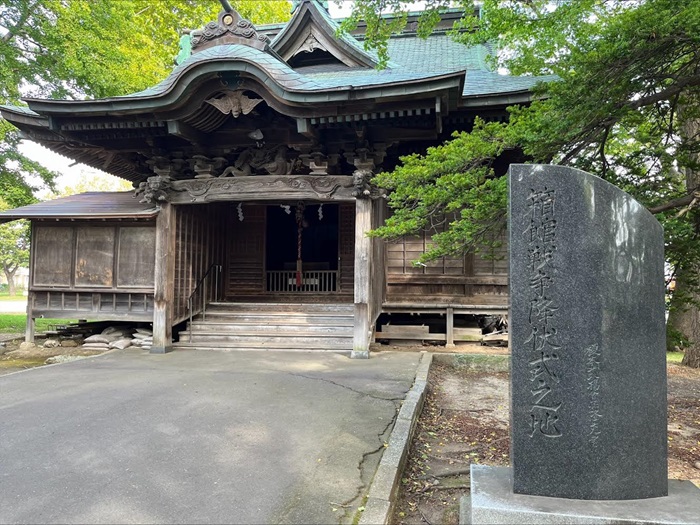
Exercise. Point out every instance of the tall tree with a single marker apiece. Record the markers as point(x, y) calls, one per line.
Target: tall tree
point(92, 48)
point(14, 248)
point(625, 105)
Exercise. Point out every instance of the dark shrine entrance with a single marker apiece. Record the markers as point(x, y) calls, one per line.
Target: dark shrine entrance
point(263, 260)
point(301, 248)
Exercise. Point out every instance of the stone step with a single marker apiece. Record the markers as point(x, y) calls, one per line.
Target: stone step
point(345, 308)
point(268, 328)
point(293, 339)
point(334, 319)
point(231, 347)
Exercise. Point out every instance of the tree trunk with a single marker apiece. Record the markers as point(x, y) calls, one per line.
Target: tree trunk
point(10, 276)
point(684, 317)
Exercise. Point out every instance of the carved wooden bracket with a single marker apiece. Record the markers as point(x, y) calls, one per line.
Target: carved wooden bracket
point(154, 190)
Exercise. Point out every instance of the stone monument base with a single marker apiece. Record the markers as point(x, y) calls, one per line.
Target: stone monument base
point(493, 501)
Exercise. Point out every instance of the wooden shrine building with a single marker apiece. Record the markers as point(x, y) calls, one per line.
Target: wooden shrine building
point(251, 164)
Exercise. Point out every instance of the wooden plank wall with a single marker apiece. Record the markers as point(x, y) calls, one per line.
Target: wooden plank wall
point(346, 250)
point(85, 256)
point(92, 270)
point(470, 279)
point(199, 243)
point(246, 250)
point(379, 261)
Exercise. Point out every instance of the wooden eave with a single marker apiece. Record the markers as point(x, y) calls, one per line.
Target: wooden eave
point(499, 99)
point(85, 206)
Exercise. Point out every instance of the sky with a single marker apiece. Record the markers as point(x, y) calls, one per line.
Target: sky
point(71, 172)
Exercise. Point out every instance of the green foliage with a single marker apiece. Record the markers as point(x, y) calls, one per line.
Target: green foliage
point(453, 188)
point(14, 247)
point(622, 106)
point(102, 48)
point(93, 181)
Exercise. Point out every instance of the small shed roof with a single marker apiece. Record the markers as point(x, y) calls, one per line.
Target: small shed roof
point(92, 205)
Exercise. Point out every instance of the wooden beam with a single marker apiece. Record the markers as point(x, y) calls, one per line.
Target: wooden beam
point(363, 264)
point(262, 188)
point(484, 280)
point(306, 129)
point(164, 280)
point(186, 132)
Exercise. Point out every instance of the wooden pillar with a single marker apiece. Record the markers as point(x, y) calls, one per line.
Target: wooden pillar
point(450, 328)
point(29, 332)
point(164, 281)
point(363, 267)
point(30, 325)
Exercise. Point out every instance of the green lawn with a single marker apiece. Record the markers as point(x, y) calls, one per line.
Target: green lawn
point(674, 357)
point(4, 296)
point(16, 323)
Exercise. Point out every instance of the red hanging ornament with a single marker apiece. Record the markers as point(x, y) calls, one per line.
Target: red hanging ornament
point(300, 228)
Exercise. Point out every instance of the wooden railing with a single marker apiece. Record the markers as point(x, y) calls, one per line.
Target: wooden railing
point(318, 281)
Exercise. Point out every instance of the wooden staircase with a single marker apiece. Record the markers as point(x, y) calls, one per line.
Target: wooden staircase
point(271, 326)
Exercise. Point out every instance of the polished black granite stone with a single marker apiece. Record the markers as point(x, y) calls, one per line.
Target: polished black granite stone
point(588, 391)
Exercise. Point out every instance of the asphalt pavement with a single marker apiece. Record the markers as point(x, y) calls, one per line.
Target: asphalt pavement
point(196, 437)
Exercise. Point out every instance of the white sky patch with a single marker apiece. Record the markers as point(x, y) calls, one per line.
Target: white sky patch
point(70, 173)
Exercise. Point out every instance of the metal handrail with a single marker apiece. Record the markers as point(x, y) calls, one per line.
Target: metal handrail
point(202, 283)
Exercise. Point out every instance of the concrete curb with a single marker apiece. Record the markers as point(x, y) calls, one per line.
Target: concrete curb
point(382, 492)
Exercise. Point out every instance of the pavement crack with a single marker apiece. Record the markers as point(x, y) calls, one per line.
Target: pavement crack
point(366, 478)
point(393, 399)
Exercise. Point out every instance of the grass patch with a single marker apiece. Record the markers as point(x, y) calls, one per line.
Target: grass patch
point(17, 323)
point(28, 362)
point(674, 357)
point(7, 297)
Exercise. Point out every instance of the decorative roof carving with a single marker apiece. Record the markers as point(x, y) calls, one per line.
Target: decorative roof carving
point(310, 45)
point(235, 103)
point(271, 160)
point(264, 187)
point(230, 28)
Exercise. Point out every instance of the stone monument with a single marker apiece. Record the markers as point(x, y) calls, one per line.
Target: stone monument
point(588, 365)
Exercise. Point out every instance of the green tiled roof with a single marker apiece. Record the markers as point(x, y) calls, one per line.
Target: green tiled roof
point(412, 59)
point(482, 83)
point(276, 69)
point(437, 53)
point(20, 109)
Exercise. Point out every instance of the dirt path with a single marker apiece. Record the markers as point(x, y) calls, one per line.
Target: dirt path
point(465, 420)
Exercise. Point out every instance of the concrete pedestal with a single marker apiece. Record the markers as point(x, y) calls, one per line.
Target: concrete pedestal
point(493, 501)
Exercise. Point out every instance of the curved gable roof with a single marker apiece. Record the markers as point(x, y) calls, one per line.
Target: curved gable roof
point(311, 26)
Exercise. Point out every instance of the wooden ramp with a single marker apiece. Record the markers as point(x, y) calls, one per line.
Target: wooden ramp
point(271, 326)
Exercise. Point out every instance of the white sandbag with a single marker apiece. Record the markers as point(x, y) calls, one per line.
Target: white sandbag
point(97, 338)
point(121, 344)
